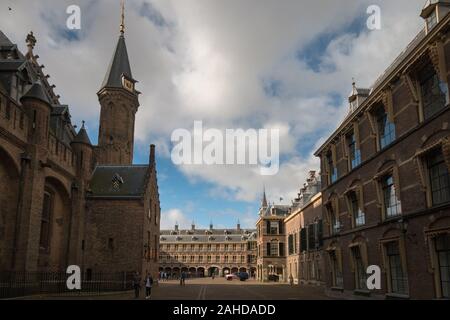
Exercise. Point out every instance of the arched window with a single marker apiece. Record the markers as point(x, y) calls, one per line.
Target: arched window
point(47, 208)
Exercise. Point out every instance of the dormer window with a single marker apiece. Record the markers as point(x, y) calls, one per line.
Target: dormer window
point(431, 20)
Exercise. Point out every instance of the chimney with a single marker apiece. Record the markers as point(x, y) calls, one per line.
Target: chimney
point(152, 154)
point(238, 226)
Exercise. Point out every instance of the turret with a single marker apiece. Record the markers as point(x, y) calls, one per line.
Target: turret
point(37, 105)
point(83, 150)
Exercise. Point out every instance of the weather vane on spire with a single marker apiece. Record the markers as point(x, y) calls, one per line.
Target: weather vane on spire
point(122, 21)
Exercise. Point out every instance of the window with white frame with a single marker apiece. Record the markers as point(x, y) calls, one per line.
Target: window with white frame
point(391, 202)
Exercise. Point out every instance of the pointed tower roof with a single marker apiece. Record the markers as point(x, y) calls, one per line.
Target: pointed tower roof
point(120, 64)
point(82, 136)
point(4, 41)
point(264, 199)
point(37, 92)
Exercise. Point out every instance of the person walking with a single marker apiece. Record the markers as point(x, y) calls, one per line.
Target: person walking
point(137, 285)
point(148, 286)
point(183, 279)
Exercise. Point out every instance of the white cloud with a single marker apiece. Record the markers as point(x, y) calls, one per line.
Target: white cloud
point(170, 217)
point(209, 61)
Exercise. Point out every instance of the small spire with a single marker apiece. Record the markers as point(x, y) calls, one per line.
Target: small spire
point(31, 42)
point(122, 19)
point(264, 199)
point(82, 124)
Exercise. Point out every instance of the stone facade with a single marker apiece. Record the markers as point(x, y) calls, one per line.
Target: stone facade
point(304, 235)
point(385, 176)
point(64, 201)
point(202, 253)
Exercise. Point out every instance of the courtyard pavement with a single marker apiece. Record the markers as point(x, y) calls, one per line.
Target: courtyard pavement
point(217, 289)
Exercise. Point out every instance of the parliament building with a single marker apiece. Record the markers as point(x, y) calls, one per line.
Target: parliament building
point(63, 200)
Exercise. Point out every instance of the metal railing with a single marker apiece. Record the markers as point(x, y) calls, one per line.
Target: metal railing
point(21, 284)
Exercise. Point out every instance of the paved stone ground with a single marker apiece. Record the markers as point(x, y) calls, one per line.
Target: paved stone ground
point(217, 289)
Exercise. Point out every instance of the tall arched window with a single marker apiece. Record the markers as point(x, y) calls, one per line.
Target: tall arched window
point(47, 209)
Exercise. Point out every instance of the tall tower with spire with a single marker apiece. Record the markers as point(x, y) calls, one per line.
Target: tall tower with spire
point(119, 104)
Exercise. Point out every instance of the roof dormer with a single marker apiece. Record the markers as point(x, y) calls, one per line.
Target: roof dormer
point(433, 12)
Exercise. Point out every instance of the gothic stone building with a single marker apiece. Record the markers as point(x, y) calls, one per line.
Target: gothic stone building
point(64, 201)
point(200, 252)
point(385, 175)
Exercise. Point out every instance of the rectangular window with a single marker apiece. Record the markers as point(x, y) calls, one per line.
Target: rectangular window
point(332, 169)
point(274, 227)
point(359, 218)
point(45, 222)
point(338, 280)
point(434, 93)
point(274, 249)
point(386, 129)
point(439, 177)
point(360, 271)
point(443, 254)
point(392, 205)
point(291, 244)
point(398, 278)
point(335, 225)
point(353, 153)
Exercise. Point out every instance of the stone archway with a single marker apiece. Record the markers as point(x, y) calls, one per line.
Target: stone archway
point(226, 271)
point(242, 269)
point(176, 272)
point(192, 272)
point(200, 272)
point(213, 270)
point(54, 226)
point(234, 270)
point(9, 191)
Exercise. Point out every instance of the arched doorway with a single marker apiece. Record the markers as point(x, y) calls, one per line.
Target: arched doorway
point(243, 269)
point(9, 190)
point(253, 272)
point(234, 270)
point(175, 273)
point(226, 271)
point(54, 226)
point(201, 272)
point(192, 272)
point(213, 270)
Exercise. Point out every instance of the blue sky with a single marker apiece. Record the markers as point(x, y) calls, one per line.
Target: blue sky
point(283, 64)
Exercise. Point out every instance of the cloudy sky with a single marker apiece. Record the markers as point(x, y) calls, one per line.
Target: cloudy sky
point(285, 64)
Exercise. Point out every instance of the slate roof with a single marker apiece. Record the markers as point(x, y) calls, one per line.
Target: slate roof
point(37, 92)
point(120, 65)
point(82, 137)
point(118, 181)
point(218, 235)
point(4, 40)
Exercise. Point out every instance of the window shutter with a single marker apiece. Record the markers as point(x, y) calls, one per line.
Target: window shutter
point(311, 237)
point(268, 249)
point(267, 227)
point(320, 233)
point(281, 246)
point(280, 227)
point(303, 240)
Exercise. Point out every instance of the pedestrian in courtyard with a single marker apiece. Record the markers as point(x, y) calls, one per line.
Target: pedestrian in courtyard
point(183, 279)
point(137, 285)
point(291, 280)
point(148, 286)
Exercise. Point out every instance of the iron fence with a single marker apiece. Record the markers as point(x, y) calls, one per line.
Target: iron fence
point(21, 284)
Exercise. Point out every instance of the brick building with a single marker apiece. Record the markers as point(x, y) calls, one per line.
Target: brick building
point(271, 242)
point(385, 175)
point(64, 201)
point(304, 235)
point(204, 252)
